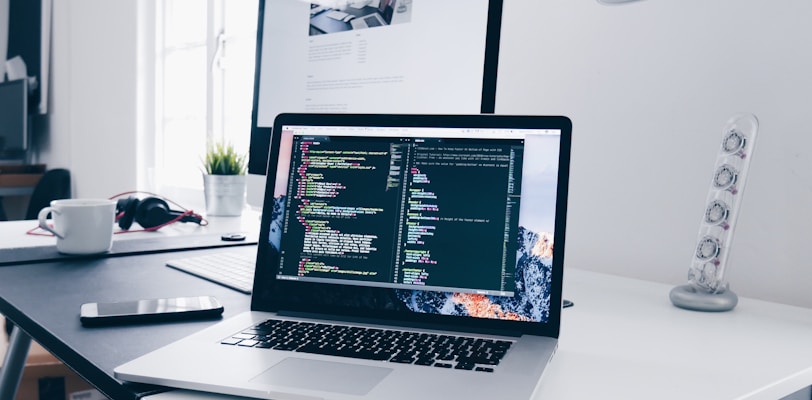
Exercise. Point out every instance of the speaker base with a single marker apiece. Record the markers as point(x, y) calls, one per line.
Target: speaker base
point(687, 297)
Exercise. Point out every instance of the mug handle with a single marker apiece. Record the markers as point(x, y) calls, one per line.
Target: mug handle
point(43, 223)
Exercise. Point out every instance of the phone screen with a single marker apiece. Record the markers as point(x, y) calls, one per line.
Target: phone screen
point(157, 306)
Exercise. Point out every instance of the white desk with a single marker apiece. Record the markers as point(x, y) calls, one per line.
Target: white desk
point(13, 233)
point(624, 340)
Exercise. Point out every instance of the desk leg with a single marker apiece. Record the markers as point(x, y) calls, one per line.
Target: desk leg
point(14, 363)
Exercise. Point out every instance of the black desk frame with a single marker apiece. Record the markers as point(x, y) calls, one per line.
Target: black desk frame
point(53, 320)
point(12, 371)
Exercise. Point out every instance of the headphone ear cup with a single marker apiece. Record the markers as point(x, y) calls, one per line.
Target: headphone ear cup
point(126, 208)
point(153, 212)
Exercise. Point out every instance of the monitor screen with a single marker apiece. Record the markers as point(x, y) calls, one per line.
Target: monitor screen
point(425, 206)
point(13, 119)
point(371, 56)
point(423, 217)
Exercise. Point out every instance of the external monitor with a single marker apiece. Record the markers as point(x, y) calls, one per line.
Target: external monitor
point(370, 56)
point(13, 119)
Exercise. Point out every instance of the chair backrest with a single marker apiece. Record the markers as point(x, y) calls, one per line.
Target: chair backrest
point(54, 185)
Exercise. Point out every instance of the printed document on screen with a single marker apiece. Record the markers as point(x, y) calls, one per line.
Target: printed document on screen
point(372, 56)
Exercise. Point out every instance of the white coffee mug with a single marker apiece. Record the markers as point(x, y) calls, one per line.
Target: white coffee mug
point(81, 226)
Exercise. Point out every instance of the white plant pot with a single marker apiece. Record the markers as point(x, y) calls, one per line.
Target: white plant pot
point(225, 194)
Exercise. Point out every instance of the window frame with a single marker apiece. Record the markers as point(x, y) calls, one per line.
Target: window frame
point(215, 42)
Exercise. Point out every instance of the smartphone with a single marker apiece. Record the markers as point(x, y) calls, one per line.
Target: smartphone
point(150, 310)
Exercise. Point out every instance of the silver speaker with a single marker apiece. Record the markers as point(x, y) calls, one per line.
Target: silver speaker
point(707, 289)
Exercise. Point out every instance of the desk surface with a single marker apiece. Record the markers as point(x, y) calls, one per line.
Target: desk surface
point(20, 246)
point(622, 339)
point(16, 190)
point(19, 180)
point(43, 300)
point(14, 232)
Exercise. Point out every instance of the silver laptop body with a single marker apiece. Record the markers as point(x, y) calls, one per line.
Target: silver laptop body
point(439, 226)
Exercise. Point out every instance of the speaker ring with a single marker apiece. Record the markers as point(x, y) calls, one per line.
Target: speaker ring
point(725, 177)
point(717, 212)
point(708, 248)
point(734, 142)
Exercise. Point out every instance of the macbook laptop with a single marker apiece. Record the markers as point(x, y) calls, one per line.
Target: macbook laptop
point(400, 257)
point(368, 21)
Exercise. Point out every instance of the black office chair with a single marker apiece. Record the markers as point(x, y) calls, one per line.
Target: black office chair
point(54, 185)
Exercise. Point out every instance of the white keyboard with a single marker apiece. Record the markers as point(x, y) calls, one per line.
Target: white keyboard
point(230, 269)
point(339, 15)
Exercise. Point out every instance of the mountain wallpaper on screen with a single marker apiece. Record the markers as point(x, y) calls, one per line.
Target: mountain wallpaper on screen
point(530, 302)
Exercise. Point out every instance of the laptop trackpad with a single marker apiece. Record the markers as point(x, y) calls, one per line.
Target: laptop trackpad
point(331, 376)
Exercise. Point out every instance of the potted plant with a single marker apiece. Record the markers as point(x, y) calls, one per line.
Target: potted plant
point(224, 180)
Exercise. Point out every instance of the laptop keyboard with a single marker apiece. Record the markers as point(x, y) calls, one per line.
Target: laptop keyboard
point(442, 351)
point(230, 269)
point(372, 21)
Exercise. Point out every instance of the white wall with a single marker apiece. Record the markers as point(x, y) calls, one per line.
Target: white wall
point(649, 87)
point(95, 96)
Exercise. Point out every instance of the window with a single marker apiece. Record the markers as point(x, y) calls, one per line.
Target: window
point(204, 79)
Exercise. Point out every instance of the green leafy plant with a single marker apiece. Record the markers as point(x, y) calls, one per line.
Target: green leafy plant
point(222, 159)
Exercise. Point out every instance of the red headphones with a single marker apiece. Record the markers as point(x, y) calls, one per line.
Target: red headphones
point(152, 213)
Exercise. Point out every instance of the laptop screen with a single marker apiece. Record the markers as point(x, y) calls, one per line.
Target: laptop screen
point(455, 220)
